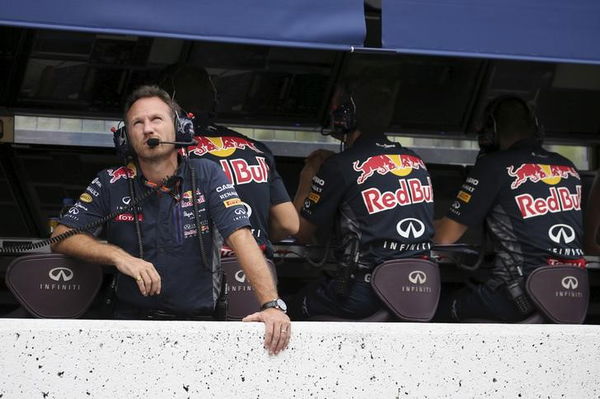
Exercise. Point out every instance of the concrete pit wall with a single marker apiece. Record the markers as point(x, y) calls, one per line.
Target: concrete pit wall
point(162, 359)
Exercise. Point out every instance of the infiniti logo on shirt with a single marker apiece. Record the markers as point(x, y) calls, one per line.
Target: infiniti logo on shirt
point(561, 233)
point(410, 227)
point(61, 273)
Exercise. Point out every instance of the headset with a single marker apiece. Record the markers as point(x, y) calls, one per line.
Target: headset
point(184, 133)
point(487, 133)
point(343, 118)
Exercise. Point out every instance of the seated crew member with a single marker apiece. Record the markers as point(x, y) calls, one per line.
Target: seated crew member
point(248, 164)
point(379, 194)
point(162, 267)
point(530, 201)
point(592, 219)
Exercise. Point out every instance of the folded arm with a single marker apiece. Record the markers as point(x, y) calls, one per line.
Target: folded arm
point(86, 247)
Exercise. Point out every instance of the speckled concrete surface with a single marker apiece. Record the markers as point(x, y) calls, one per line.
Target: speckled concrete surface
point(148, 359)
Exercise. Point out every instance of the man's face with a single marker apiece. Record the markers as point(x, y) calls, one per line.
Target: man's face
point(149, 118)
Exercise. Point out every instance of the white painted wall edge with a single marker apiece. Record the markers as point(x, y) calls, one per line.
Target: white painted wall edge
point(162, 359)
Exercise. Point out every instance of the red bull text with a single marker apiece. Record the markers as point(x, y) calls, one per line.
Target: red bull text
point(411, 191)
point(560, 200)
point(239, 171)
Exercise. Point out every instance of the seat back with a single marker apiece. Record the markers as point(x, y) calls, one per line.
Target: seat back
point(241, 300)
point(410, 288)
point(561, 293)
point(382, 315)
point(53, 285)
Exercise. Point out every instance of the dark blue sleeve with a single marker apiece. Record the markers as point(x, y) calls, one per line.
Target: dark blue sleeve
point(224, 205)
point(327, 190)
point(477, 194)
point(278, 191)
point(92, 205)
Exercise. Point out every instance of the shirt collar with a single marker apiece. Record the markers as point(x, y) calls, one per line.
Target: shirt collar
point(527, 142)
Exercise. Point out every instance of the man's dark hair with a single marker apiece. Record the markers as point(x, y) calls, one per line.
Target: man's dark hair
point(374, 99)
point(513, 117)
point(148, 91)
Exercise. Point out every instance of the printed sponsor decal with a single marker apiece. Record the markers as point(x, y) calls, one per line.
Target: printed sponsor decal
point(85, 197)
point(559, 200)
point(224, 187)
point(472, 181)
point(228, 194)
point(314, 197)
point(80, 206)
point(417, 277)
point(232, 202)
point(239, 171)
point(570, 282)
point(549, 174)
point(411, 191)
point(186, 198)
point(410, 228)
point(97, 182)
point(400, 165)
point(464, 197)
point(92, 191)
point(61, 273)
point(221, 146)
point(318, 181)
point(561, 233)
point(128, 217)
point(122, 172)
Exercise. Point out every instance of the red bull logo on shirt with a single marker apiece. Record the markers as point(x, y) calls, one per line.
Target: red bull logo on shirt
point(549, 174)
point(411, 191)
point(400, 165)
point(122, 173)
point(560, 200)
point(239, 171)
point(221, 146)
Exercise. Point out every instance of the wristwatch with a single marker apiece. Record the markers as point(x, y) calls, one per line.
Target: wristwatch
point(276, 303)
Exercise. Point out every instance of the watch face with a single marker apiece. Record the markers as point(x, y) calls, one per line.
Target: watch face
point(281, 305)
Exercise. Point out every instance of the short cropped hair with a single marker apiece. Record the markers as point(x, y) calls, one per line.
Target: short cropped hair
point(148, 91)
point(374, 97)
point(514, 117)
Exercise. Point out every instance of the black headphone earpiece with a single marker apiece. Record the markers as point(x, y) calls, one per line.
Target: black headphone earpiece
point(184, 133)
point(487, 135)
point(343, 118)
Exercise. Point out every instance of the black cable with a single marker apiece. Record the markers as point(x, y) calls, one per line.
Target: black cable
point(197, 218)
point(88, 227)
point(138, 230)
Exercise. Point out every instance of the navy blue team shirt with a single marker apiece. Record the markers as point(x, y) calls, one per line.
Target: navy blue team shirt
point(379, 191)
point(531, 201)
point(250, 167)
point(169, 231)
